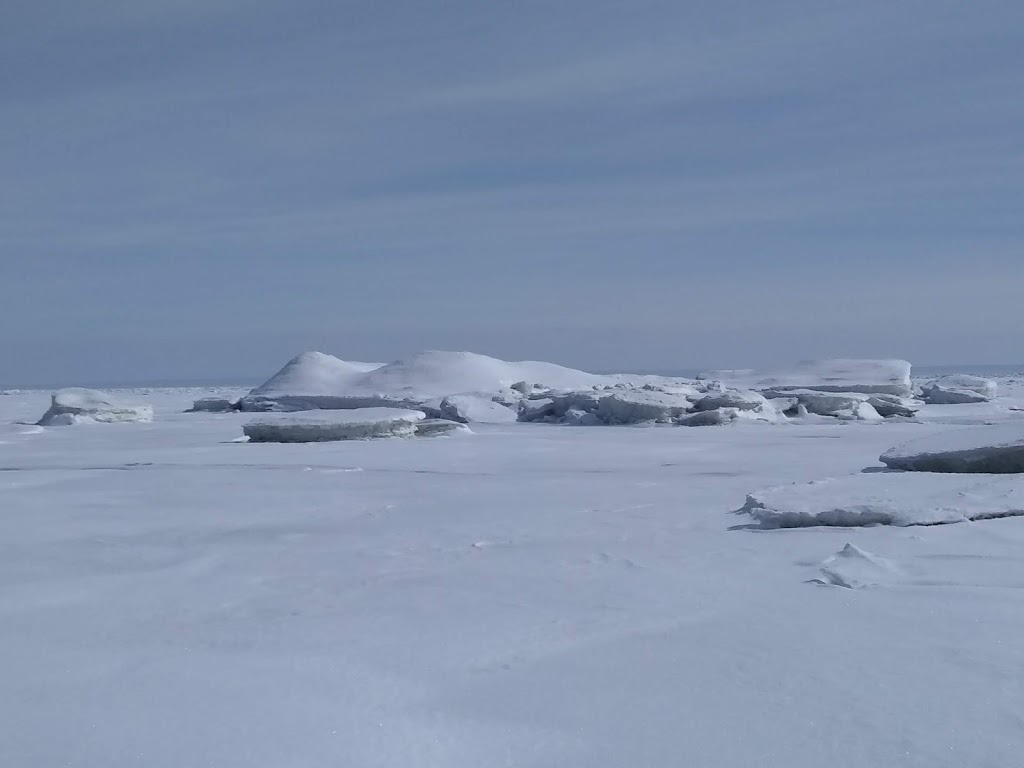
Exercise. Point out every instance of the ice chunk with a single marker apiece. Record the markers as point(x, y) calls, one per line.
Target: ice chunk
point(886, 498)
point(539, 409)
point(987, 450)
point(73, 406)
point(744, 400)
point(959, 389)
point(320, 426)
point(213, 405)
point(480, 409)
point(888, 406)
point(850, 406)
point(640, 405)
point(577, 417)
point(714, 418)
point(890, 377)
point(439, 427)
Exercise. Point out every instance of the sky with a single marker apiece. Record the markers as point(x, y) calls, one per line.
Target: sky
point(203, 188)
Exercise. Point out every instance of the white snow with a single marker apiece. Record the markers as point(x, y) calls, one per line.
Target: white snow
point(991, 449)
point(320, 426)
point(531, 595)
point(76, 406)
point(886, 498)
point(890, 377)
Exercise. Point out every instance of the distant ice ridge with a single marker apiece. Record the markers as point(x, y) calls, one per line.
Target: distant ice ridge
point(76, 406)
point(886, 498)
point(987, 450)
point(315, 380)
point(873, 377)
point(472, 388)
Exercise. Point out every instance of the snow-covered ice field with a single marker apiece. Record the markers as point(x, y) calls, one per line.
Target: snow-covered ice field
point(528, 595)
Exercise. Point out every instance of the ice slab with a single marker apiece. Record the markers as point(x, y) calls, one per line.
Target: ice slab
point(996, 449)
point(73, 406)
point(321, 426)
point(886, 498)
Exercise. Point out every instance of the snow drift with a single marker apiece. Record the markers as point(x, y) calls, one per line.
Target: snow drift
point(987, 450)
point(886, 498)
point(74, 406)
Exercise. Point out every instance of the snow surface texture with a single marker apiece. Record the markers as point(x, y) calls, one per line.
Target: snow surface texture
point(77, 406)
point(989, 449)
point(886, 498)
point(887, 377)
point(531, 597)
point(322, 426)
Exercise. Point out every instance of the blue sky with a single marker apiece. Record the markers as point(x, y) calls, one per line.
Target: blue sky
point(203, 188)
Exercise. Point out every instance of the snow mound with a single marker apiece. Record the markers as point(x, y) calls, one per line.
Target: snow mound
point(213, 405)
point(315, 380)
point(959, 389)
point(321, 426)
point(854, 568)
point(986, 450)
point(308, 381)
point(74, 406)
point(887, 377)
point(886, 498)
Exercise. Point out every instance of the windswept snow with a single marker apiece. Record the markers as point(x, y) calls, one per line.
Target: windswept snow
point(323, 426)
point(888, 377)
point(989, 449)
point(886, 498)
point(75, 406)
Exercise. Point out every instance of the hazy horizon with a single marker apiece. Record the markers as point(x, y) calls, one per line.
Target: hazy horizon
point(254, 379)
point(194, 190)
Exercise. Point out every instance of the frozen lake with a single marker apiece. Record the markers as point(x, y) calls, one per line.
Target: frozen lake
point(528, 595)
